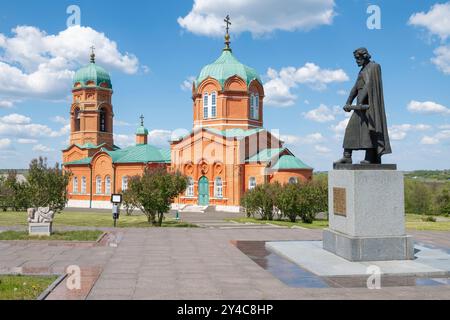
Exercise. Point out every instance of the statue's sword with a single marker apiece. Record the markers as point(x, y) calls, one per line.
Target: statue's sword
point(360, 107)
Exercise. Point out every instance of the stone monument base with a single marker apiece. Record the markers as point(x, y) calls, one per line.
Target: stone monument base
point(40, 229)
point(366, 214)
point(368, 248)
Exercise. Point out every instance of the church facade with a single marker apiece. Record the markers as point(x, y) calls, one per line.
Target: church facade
point(227, 152)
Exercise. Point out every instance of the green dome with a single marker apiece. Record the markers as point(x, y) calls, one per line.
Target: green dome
point(225, 67)
point(142, 131)
point(290, 162)
point(92, 72)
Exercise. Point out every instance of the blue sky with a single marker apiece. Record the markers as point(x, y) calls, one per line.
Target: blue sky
point(302, 51)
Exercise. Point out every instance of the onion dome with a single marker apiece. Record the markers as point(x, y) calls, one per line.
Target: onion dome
point(92, 75)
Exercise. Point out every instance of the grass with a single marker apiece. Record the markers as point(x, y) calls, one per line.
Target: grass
point(23, 287)
point(89, 219)
point(84, 235)
point(413, 222)
point(319, 224)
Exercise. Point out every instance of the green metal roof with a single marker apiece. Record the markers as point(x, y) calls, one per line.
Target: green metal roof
point(225, 67)
point(142, 153)
point(289, 162)
point(142, 131)
point(265, 155)
point(92, 72)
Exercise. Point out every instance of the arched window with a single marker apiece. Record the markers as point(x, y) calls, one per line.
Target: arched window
point(75, 185)
point(83, 185)
point(77, 118)
point(213, 105)
point(103, 120)
point(124, 183)
point(218, 188)
point(251, 183)
point(108, 185)
point(254, 106)
point(98, 185)
point(190, 188)
point(293, 180)
point(205, 105)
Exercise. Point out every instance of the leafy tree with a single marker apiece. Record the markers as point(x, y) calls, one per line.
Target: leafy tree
point(13, 194)
point(418, 197)
point(128, 202)
point(47, 186)
point(261, 201)
point(288, 199)
point(313, 199)
point(154, 192)
point(443, 201)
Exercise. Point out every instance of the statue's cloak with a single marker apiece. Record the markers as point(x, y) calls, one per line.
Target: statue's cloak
point(368, 129)
point(376, 114)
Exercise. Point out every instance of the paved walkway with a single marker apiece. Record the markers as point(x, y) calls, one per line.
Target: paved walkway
point(196, 263)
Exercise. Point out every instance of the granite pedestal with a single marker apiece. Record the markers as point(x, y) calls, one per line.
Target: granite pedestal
point(366, 214)
point(40, 229)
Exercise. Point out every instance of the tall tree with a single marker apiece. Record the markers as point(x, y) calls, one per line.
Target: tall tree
point(154, 192)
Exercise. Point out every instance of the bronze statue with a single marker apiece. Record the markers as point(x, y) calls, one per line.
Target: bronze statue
point(367, 128)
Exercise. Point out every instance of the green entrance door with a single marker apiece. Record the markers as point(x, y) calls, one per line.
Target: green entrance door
point(203, 191)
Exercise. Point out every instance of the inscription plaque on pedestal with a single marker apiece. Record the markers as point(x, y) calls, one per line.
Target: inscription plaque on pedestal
point(340, 202)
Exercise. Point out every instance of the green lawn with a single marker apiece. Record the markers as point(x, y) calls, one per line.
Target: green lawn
point(315, 225)
point(413, 222)
point(89, 219)
point(84, 235)
point(23, 287)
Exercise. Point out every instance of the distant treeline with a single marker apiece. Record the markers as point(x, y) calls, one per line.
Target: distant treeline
point(440, 175)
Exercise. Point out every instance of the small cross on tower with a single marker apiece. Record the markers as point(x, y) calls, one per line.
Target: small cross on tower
point(227, 36)
point(92, 54)
point(142, 120)
point(228, 22)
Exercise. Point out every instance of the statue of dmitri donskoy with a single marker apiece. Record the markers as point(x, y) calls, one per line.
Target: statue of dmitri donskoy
point(367, 128)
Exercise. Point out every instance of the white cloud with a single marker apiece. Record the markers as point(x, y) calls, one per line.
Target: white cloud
point(6, 104)
point(120, 123)
point(42, 148)
point(278, 88)
point(340, 127)
point(257, 16)
point(322, 149)
point(321, 114)
point(16, 125)
point(187, 84)
point(298, 140)
point(342, 92)
point(15, 119)
point(159, 137)
point(27, 141)
point(399, 132)
point(427, 107)
point(124, 140)
point(36, 64)
point(436, 21)
point(439, 137)
point(5, 144)
point(60, 120)
point(442, 59)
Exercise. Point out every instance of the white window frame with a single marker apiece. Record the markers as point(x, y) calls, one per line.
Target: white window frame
point(256, 108)
point(98, 185)
point(206, 107)
point(251, 183)
point(75, 185)
point(218, 188)
point(83, 185)
point(108, 185)
point(124, 183)
point(190, 188)
point(213, 105)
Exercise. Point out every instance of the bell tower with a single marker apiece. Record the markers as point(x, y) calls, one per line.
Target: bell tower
point(91, 114)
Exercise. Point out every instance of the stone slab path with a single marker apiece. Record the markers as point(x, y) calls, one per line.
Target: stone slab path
point(195, 263)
